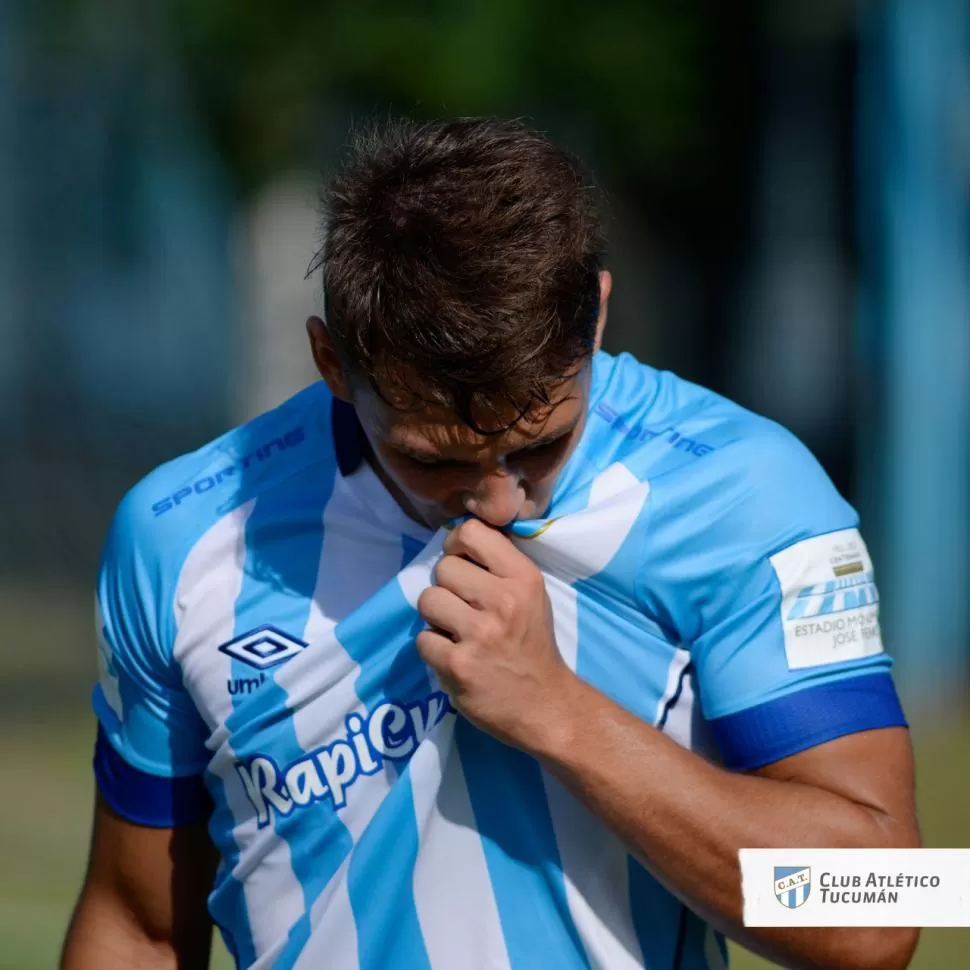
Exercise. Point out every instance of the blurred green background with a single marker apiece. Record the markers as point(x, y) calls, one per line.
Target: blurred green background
point(789, 214)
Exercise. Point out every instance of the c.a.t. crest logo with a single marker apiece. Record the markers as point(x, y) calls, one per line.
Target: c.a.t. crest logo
point(792, 885)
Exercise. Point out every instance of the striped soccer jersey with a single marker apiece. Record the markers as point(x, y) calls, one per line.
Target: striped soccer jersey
point(256, 611)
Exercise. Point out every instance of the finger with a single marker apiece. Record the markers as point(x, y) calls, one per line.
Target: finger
point(441, 608)
point(467, 580)
point(435, 649)
point(488, 547)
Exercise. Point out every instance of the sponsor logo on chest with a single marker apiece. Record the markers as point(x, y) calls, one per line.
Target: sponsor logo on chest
point(389, 732)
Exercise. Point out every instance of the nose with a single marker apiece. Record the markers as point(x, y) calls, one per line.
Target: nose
point(498, 499)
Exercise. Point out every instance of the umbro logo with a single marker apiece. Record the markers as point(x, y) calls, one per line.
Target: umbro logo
point(263, 647)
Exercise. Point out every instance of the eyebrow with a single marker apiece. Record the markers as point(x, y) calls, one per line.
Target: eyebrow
point(429, 456)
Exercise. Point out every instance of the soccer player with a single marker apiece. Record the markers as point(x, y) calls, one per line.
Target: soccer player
point(499, 769)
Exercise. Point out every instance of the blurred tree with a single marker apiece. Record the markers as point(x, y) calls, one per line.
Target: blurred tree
point(268, 75)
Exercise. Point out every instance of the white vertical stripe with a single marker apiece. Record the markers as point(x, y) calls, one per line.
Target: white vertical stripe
point(205, 615)
point(594, 861)
point(205, 601)
point(274, 896)
point(461, 924)
point(565, 618)
point(358, 557)
point(596, 870)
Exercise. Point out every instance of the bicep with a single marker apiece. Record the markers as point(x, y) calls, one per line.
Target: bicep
point(144, 897)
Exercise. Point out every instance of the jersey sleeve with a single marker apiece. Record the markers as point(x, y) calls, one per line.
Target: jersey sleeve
point(775, 595)
point(151, 754)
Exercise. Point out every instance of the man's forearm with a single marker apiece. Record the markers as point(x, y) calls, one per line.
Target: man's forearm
point(687, 819)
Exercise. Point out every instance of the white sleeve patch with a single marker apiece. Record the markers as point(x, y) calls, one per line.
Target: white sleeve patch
point(829, 602)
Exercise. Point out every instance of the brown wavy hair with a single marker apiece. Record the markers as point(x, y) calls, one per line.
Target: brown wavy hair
point(461, 265)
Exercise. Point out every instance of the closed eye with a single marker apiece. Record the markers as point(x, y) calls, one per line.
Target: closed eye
point(437, 464)
point(541, 450)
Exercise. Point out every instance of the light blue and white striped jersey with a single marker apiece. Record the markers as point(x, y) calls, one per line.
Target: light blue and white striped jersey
point(257, 619)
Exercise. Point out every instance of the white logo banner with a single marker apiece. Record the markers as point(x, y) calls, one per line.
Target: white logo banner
point(856, 887)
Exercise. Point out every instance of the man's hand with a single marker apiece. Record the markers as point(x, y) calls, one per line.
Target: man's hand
point(491, 640)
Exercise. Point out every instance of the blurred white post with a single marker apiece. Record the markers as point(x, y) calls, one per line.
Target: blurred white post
point(914, 182)
point(276, 240)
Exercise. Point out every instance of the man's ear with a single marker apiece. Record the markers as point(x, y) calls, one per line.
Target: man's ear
point(326, 358)
point(606, 288)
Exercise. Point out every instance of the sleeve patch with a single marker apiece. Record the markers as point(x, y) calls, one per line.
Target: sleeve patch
point(829, 601)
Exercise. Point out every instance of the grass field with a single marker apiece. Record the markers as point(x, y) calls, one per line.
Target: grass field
point(45, 815)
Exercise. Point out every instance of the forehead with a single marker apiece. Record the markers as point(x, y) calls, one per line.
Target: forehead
point(428, 426)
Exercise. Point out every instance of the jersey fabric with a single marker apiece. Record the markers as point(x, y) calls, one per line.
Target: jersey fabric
point(256, 606)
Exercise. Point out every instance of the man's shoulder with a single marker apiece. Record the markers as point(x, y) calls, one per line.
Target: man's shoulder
point(167, 511)
point(665, 422)
point(714, 466)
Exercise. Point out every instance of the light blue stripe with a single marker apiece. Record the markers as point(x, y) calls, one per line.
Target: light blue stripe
point(380, 638)
point(512, 816)
point(628, 655)
point(284, 537)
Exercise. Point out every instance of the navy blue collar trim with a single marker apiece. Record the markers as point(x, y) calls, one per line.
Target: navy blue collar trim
point(346, 437)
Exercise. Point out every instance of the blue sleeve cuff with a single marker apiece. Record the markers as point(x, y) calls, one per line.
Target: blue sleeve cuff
point(147, 799)
point(806, 718)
